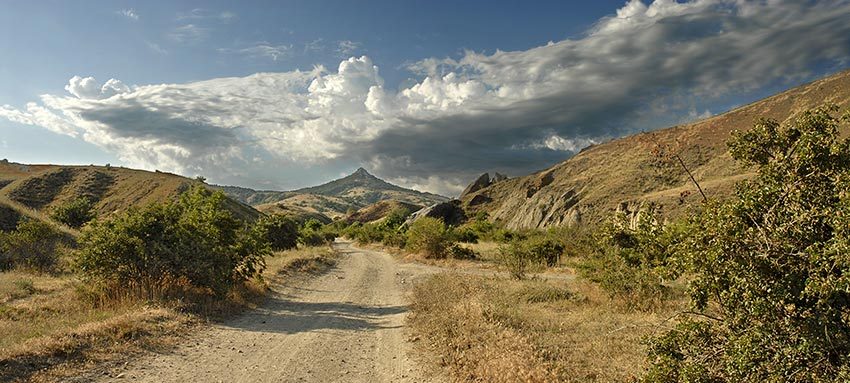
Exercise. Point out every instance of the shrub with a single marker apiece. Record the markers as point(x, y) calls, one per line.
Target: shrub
point(771, 271)
point(631, 262)
point(396, 238)
point(465, 234)
point(313, 233)
point(459, 252)
point(428, 236)
point(545, 250)
point(74, 213)
point(518, 259)
point(33, 245)
point(309, 237)
point(396, 218)
point(193, 239)
point(280, 231)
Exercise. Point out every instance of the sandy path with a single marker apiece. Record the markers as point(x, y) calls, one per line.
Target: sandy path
point(344, 326)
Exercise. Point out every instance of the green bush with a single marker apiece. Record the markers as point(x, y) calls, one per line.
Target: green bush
point(33, 245)
point(193, 239)
point(308, 237)
point(518, 259)
point(388, 231)
point(280, 231)
point(771, 268)
point(456, 251)
point(74, 213)
point(428, 236)
point(396, 238)
point(631, 262)
point(313, 233)
point(465, 234)
point(545, 250)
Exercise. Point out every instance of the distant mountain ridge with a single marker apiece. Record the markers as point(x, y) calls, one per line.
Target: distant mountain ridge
point(333, 199)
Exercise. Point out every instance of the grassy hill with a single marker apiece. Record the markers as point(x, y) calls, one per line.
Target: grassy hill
point(334, 199)
point(32, 190)
point(624, 173)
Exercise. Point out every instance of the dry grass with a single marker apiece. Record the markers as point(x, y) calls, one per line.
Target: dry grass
point(306, 260)
point(499, 330)
point(53, 327)
point(48, 328)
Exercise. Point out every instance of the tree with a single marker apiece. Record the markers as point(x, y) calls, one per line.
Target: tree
point(772, 266)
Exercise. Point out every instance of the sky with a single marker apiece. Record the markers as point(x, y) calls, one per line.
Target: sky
point(426, 94)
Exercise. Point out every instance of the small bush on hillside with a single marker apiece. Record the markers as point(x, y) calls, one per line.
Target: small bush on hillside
point(33, 245)
point(280, 231)
point(428, 236)
point(771, 265)
point(74, 213)
point(193, 239)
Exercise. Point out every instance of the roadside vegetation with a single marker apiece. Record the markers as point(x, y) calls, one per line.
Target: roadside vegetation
point(135, 280)
point(749, 289)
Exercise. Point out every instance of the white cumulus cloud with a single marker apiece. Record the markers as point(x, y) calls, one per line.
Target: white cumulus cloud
point(506, 111)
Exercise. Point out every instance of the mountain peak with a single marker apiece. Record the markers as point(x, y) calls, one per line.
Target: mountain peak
point(361, 172)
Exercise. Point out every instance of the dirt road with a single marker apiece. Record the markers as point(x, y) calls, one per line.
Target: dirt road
point(344, 326)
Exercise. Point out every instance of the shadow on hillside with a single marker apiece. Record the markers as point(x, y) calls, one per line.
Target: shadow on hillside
point(280, 315)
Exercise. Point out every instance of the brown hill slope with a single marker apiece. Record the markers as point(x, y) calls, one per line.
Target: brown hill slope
point(623, 173)
point(34, 189)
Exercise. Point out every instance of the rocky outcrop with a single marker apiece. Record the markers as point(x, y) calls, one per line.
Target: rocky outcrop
point(450, 212)
point(482, 182)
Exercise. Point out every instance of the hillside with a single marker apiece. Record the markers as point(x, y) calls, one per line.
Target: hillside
point(33, 190)
point(334, 199)
point(379, 210)
point(623, 173)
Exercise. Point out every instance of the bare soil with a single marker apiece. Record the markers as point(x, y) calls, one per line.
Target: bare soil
point(347, 325)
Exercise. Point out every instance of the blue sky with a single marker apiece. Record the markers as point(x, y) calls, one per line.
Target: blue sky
point(427, 94)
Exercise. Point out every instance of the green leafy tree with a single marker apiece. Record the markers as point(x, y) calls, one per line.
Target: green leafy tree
point(74, 213)
point(771, 266)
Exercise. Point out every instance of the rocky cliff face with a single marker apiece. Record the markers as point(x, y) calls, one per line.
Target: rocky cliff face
point(482, 182)
point(590, 186)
